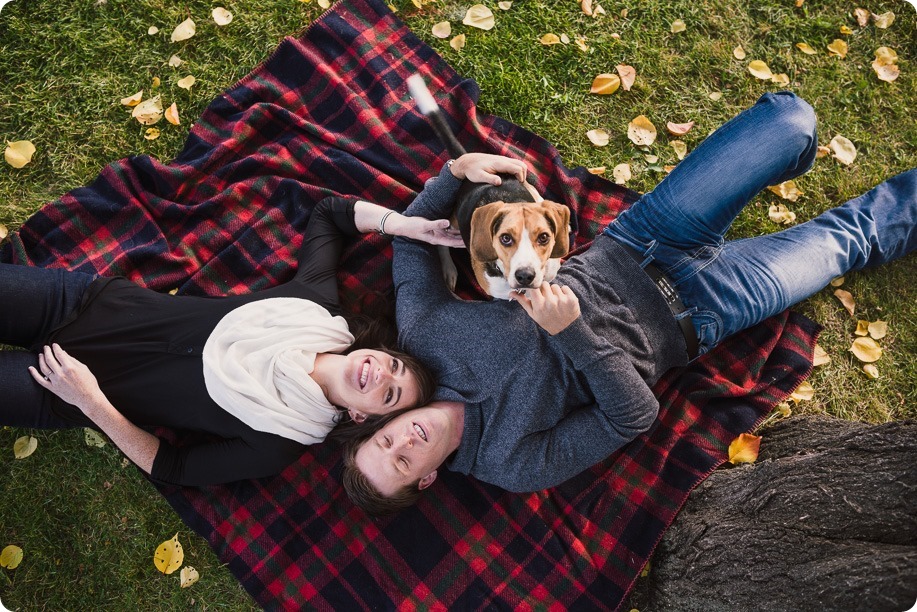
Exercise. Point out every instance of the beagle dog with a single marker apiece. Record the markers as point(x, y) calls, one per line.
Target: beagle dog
point(514, 236)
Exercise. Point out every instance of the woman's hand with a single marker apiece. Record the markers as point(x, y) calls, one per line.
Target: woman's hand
point(67, 378)
point(433, 231)
point(553, 307)
point(484, 168)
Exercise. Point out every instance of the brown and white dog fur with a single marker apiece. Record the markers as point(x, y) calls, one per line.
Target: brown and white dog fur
point(515, 238)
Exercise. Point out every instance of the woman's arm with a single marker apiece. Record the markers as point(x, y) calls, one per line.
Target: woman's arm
point(72, 381)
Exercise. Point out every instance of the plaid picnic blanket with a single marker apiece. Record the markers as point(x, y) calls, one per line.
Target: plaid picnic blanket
point(330, 111)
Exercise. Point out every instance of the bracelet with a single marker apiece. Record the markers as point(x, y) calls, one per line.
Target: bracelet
point(382, 223)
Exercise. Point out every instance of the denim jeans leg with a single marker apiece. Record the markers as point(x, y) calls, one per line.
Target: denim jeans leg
point(771, 142)
point(755, 278)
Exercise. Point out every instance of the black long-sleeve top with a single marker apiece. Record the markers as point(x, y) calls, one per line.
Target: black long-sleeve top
point(145, 350)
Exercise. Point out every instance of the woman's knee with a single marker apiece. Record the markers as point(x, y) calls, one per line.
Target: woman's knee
point(794, 115)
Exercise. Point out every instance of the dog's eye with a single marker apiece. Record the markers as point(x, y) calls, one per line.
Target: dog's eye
point(543, 238)
point(506, 240)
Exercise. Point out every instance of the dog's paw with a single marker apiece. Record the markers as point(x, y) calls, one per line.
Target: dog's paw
point(450, 272)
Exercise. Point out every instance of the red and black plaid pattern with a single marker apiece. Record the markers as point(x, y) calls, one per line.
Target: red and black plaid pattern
point(329, 113)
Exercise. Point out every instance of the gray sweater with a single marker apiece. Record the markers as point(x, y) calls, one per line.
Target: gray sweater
point(539, 409)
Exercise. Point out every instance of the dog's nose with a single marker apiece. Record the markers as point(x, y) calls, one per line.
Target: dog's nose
point(525, 276)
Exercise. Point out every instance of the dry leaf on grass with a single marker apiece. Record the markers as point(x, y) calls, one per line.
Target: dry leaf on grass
point(820, 357)
point(443, 29)
point(803, 393)
point(641, 131)
point(24, 446)
point(187, 82)
point(678, 26)
point(760, 70)
point(93, 438)
point(188, 576)
point(549, 39)
point(862, 328)
point(10, 557)
point(19, 153)
point(837, 281)
point(846, 299)
point(175, 61)
point(183, 31)
point(883, 21)
point(838, 47)
point(598, 137)
point(681, 149)
point(605, 84)
point(739, 53)
point(716, 96)
point(871, 370)
point(621, 173)
point(628, 75)
point(479, 16)
point(786, 190)
point(866, 350)
point(505, 5)
point(172, 114)
point(862, 17)
point(805, 48)
point(779, 213)
point(458, 42)
point(877, 329)
point(221, 16)
point(149, 111)
point(597, 170)
point(843, 149)
point(821, 151)
point(679, 129)
point(153, 31)
point(151, 133)
point(169, 556)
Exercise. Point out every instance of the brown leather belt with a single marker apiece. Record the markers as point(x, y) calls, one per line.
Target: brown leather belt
point(670, 295)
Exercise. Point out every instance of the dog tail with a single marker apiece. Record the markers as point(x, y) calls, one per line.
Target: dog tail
point(428, 106)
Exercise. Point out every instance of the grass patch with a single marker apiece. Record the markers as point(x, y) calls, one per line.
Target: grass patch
point(89, 525)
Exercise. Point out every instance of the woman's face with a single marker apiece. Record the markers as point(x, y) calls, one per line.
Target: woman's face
point(374, 382)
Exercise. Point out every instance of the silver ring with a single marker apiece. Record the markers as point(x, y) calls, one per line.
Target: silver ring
point(46, 377)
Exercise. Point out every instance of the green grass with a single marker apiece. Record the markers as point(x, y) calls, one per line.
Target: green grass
point(89, 525)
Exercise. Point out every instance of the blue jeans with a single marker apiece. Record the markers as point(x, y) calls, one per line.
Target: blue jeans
point(730, 286)
point(33, 301)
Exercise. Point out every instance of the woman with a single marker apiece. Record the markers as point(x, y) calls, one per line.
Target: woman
point(260, 375)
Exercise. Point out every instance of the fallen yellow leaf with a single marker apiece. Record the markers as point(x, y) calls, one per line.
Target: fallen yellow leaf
point(175, 61)
point(846, 299)
point(505, 5)
point(156, 82)
point(678, 26)
point(744, 449)
point(599, 170)
point(221, 16)
point(153, 31)
point(681, 149)
point(149, 111)
point(628, 75)
point(820, 357)
point(621, 173)
point(871, 370)
point(133, 100)
point(781, 79)
point(806, 48)
point(760, 70)
point(739, 53)
point(651, 159)
point(458, 42)
point(479, 16)
point(884, 20)
point(862, 328)
point(803, 393)
point(581, 43)
point(886, 72)
point(586, 6)
point(679, 129)
point(188, 576)
point(19, 153)
point(837, 282)
point(187, 82)
point(783, 409)
point(24, 446)
point(787, 190)
point(885, 55)
point(821, 151)
point(4, 232)
point(779, 213)
point(598, 137)
point(862, 17)
point(716, 96)
point(598, 11)
point(565, 39)
point(866, 350)
point(443, 29)
point(93, 438)
point(878, 329)
point(11, 557)
point(641, 131)
point(151, 133)
point(549, 39)
point(846, 31)
point(172, 114)
point(184, 30)
point(169, 556)
point(843, 149)
point(838, 47)
point(605, 84)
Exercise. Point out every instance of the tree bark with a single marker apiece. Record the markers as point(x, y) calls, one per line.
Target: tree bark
point(826, 519)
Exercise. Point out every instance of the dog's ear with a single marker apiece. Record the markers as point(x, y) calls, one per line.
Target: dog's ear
point(560, 214)
point(484, 221)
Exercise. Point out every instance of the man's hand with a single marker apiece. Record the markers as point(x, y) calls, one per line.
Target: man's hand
point(553, 307)
point(432, 231)
point(483, 168)
point(67, 378)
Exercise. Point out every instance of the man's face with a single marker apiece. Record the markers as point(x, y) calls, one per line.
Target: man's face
point(408, 449)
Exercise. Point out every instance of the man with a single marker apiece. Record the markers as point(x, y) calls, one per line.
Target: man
point(534, 393)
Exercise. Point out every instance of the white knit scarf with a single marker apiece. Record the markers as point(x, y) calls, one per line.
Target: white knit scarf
point(257, 363)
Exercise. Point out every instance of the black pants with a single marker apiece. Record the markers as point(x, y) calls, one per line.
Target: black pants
point(33, 301)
